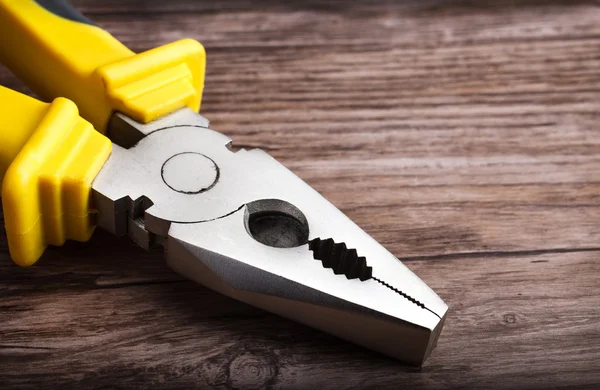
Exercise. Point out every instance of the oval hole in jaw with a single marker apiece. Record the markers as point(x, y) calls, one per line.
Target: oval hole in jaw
point(276, 223)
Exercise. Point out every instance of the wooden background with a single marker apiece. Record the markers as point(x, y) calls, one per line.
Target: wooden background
point(463, 135)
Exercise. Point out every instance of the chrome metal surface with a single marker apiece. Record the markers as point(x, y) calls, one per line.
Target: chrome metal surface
point(244, 225)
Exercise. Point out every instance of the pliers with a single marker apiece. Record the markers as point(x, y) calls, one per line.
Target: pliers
point(122, 146)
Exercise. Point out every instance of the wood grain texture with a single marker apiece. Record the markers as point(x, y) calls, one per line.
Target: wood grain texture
point(462, 135)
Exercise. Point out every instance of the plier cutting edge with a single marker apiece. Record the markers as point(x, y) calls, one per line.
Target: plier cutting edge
point(140, 161)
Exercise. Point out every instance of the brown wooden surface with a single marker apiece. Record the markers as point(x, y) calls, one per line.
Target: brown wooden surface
point(463, 135)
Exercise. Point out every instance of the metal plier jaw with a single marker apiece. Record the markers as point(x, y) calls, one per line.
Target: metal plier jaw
point(242, 224)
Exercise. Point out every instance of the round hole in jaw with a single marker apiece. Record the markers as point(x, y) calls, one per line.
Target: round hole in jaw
point(277, 230)
point(276, 223)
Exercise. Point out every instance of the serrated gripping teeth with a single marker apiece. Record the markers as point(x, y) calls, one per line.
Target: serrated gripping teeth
point(340, 259)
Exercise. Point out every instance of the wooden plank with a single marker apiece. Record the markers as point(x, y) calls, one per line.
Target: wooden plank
point(77, 319)
point(461, 135)
point(470, 122)
point(313, 22)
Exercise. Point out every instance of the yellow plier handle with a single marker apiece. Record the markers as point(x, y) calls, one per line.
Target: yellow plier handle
point(49, 157)
point(60, 53)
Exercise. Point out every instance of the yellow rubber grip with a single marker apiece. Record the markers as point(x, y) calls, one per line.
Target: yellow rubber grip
point(61, 57)
point(20, 115)
point(49, 157)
